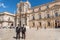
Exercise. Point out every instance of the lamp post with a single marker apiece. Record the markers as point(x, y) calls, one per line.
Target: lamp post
point(15, 19)
point(20, 19)
point(20, 16)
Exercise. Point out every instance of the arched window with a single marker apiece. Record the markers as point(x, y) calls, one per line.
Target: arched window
point(47, 7)
point(9, 19)
point(48, 16)
point(56, 14)
point(40, 23)
point(33, 17)
point(48, 23)
point(33, 24)
point(39, 16)
point(12, 24)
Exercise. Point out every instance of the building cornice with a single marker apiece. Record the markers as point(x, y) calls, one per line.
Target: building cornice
point(43, 5)
point(7, 13)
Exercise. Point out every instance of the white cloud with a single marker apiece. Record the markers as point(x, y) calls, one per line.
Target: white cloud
point(2, 5)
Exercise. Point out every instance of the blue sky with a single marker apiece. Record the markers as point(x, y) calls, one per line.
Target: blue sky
point(10, 5)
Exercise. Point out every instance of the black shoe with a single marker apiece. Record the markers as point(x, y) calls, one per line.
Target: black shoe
point(22, 37)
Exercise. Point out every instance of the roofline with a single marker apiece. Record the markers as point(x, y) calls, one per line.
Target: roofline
point(43, 5)
point(7, 14)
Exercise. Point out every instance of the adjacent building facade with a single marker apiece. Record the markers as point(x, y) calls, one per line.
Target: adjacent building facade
point(7, 19)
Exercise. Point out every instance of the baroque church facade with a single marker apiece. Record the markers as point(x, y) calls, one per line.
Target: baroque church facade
point(43, 16)
point(22, 9)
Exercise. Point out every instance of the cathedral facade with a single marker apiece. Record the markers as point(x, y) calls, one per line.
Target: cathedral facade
point(22, 10)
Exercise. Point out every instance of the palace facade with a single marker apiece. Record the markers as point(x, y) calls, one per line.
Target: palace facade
point(45, 16)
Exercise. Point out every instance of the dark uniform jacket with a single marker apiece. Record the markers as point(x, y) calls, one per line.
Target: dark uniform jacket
point(23, 29)
point(17, 29)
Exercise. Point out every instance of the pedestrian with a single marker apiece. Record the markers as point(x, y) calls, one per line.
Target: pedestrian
point(23, 32)
point(18, 32)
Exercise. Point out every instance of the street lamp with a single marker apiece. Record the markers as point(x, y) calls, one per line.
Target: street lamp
point(15, 19)
point(20, 15)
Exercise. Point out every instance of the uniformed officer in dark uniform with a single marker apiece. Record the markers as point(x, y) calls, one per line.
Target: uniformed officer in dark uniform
point(23, 32)
point(18, 32)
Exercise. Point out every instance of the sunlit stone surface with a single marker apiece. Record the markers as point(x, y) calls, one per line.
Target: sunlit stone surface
point(32, 34)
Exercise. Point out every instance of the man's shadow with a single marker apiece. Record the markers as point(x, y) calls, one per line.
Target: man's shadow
point(17, 38)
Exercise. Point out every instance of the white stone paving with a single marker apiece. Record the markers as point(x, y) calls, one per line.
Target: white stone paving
point(31, 34)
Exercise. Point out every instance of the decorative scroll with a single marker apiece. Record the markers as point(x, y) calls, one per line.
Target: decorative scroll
point(30, 11)
point(36, 9)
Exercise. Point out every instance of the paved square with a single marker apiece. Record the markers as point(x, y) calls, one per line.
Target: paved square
point(31, 34)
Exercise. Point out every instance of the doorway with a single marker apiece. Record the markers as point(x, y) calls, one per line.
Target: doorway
point(57, 24)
